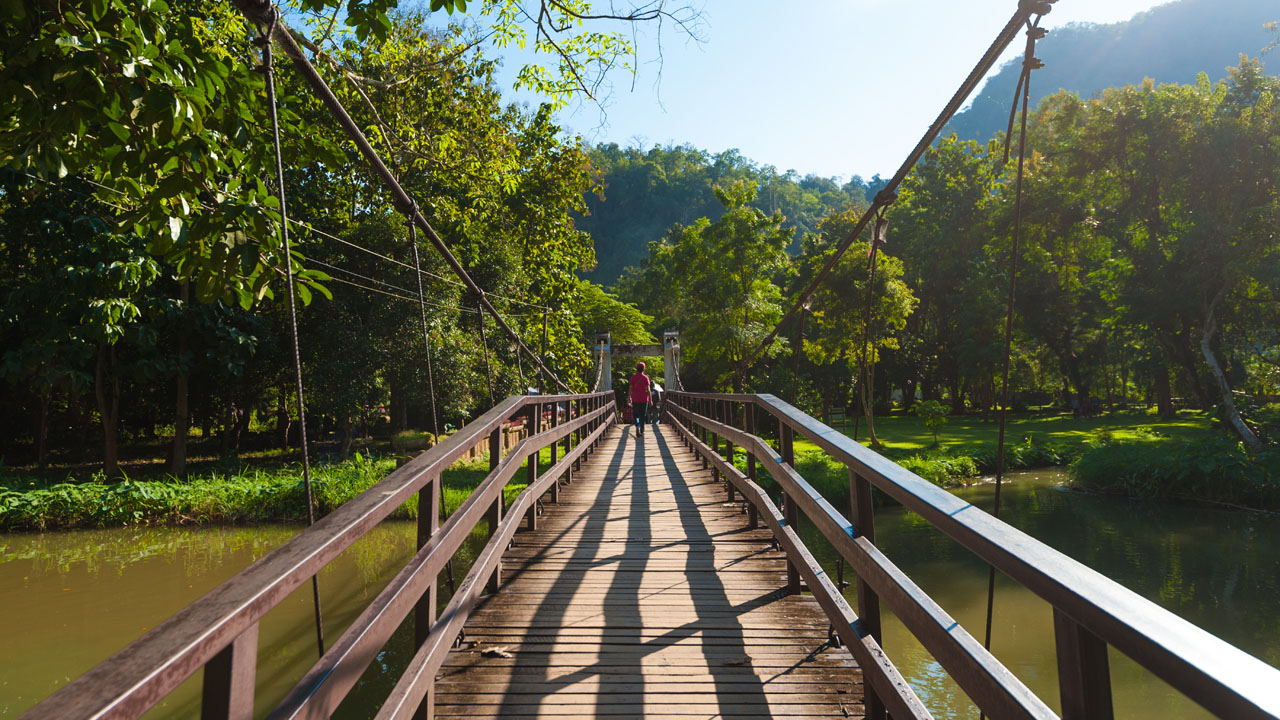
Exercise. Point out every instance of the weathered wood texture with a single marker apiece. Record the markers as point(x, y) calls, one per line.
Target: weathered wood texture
point(643, 592)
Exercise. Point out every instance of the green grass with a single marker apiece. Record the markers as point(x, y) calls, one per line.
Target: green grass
point(262, 494)
point(966, 445)
point(1131, 453)
point(967, 434)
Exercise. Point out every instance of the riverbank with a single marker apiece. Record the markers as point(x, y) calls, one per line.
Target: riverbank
point(1215, 469)
point(267, 493)
point(1135, 454)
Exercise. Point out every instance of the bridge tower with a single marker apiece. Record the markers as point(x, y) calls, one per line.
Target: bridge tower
point(669, 350)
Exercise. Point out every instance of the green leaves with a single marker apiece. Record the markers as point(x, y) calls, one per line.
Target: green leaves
point(449, 5)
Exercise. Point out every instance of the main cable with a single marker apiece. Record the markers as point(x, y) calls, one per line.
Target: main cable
point(269, 74)
point(864, 375)
point(264, 12)
point(1029, 64)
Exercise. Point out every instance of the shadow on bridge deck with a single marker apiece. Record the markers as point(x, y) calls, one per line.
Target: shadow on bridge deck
point(644, 593)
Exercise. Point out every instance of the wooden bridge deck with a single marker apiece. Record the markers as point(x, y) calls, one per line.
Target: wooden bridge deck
point(644, 593)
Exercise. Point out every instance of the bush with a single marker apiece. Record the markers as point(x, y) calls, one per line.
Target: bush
point(257, 496)
point(1216, 469)
point(940, 468)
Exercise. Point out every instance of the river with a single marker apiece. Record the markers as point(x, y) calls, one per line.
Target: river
point(70, 599)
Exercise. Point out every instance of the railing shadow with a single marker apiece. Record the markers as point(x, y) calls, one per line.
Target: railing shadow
point(712, 604)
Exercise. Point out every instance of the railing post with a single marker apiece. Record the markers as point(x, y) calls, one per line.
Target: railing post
point(531, 464)
point(862, 515)
point(568, 439)
point(717, 414)
point(1084, 678)
point(729, 414)
point(229, 679)
point(555, 422)
point(499, 506)
point(749, 421)
point(424, 612)
point(789, 512)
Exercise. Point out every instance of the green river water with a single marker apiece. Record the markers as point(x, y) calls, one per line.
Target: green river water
point(68, 600)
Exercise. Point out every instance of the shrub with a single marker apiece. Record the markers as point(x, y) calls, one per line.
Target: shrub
point(1217, 469)
point(274, 495)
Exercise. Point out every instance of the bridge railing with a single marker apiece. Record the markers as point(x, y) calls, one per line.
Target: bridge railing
point(1090, 611)
point(219, 632)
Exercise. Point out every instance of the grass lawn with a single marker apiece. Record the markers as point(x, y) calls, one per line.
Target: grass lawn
point(962, 434)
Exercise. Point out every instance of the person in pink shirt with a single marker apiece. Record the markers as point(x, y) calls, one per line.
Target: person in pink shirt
point(641, 387)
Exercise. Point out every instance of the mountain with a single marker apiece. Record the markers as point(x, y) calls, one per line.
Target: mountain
point(643, 192)
point(1170, 43)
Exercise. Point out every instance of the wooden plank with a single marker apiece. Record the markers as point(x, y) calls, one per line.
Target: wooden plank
point(642, 592)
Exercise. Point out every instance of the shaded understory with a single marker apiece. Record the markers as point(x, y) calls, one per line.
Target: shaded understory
point(1131, 453)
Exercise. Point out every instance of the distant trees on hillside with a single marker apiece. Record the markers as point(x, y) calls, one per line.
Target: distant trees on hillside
point(1149, 266)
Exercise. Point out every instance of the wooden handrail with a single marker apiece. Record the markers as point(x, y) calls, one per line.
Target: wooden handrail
point(320, 691)
point(876, 667)
point(415, 682)
point(216, 626)
point(1088, 606)
point(977, 672)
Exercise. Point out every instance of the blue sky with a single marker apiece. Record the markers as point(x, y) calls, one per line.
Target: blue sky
point(826, 86)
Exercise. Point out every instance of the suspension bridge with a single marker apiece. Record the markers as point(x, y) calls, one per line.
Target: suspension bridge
point(654, 575)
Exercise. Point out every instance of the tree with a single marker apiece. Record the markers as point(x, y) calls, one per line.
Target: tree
point(846, 331)
point(1186, 182)
point(933, 414)
point(715, 281)
point(941, 228)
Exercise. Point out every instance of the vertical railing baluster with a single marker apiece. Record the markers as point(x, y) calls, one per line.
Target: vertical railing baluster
point(730, 412)
point(229, 679)
point(862, 515)
point(568, 439)
point(717, 414)
point(499, 506)
point(1084, 677)
point(532, 415)
point(789, 511)
point(749, 423)
point(424, 612)
point(555, 422)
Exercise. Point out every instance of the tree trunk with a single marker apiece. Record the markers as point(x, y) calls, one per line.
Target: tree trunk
point(399, 408)
point(181, 408)
point(348, 432)
point(1164, 394)
point(1124, 381)
point(1233, 418)
point(242, 424)
point(282, 420)
point(957, 398)
point(108, 411)
point(181, 425)
point(868, 409)
point(42, 431)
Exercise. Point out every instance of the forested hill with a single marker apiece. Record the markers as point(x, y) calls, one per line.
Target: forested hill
point(1169, 44)
point(645, 192)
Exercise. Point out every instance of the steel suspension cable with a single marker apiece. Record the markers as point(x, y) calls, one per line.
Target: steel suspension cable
point(1026, 8)
point(488, 372)
point(426, 338)
point(864, 375)
point(269, 74)
point(1029, 64)
point(264, 12)
point(431, 382)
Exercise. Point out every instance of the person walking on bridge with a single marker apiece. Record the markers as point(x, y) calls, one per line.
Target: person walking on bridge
point(641, 389)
